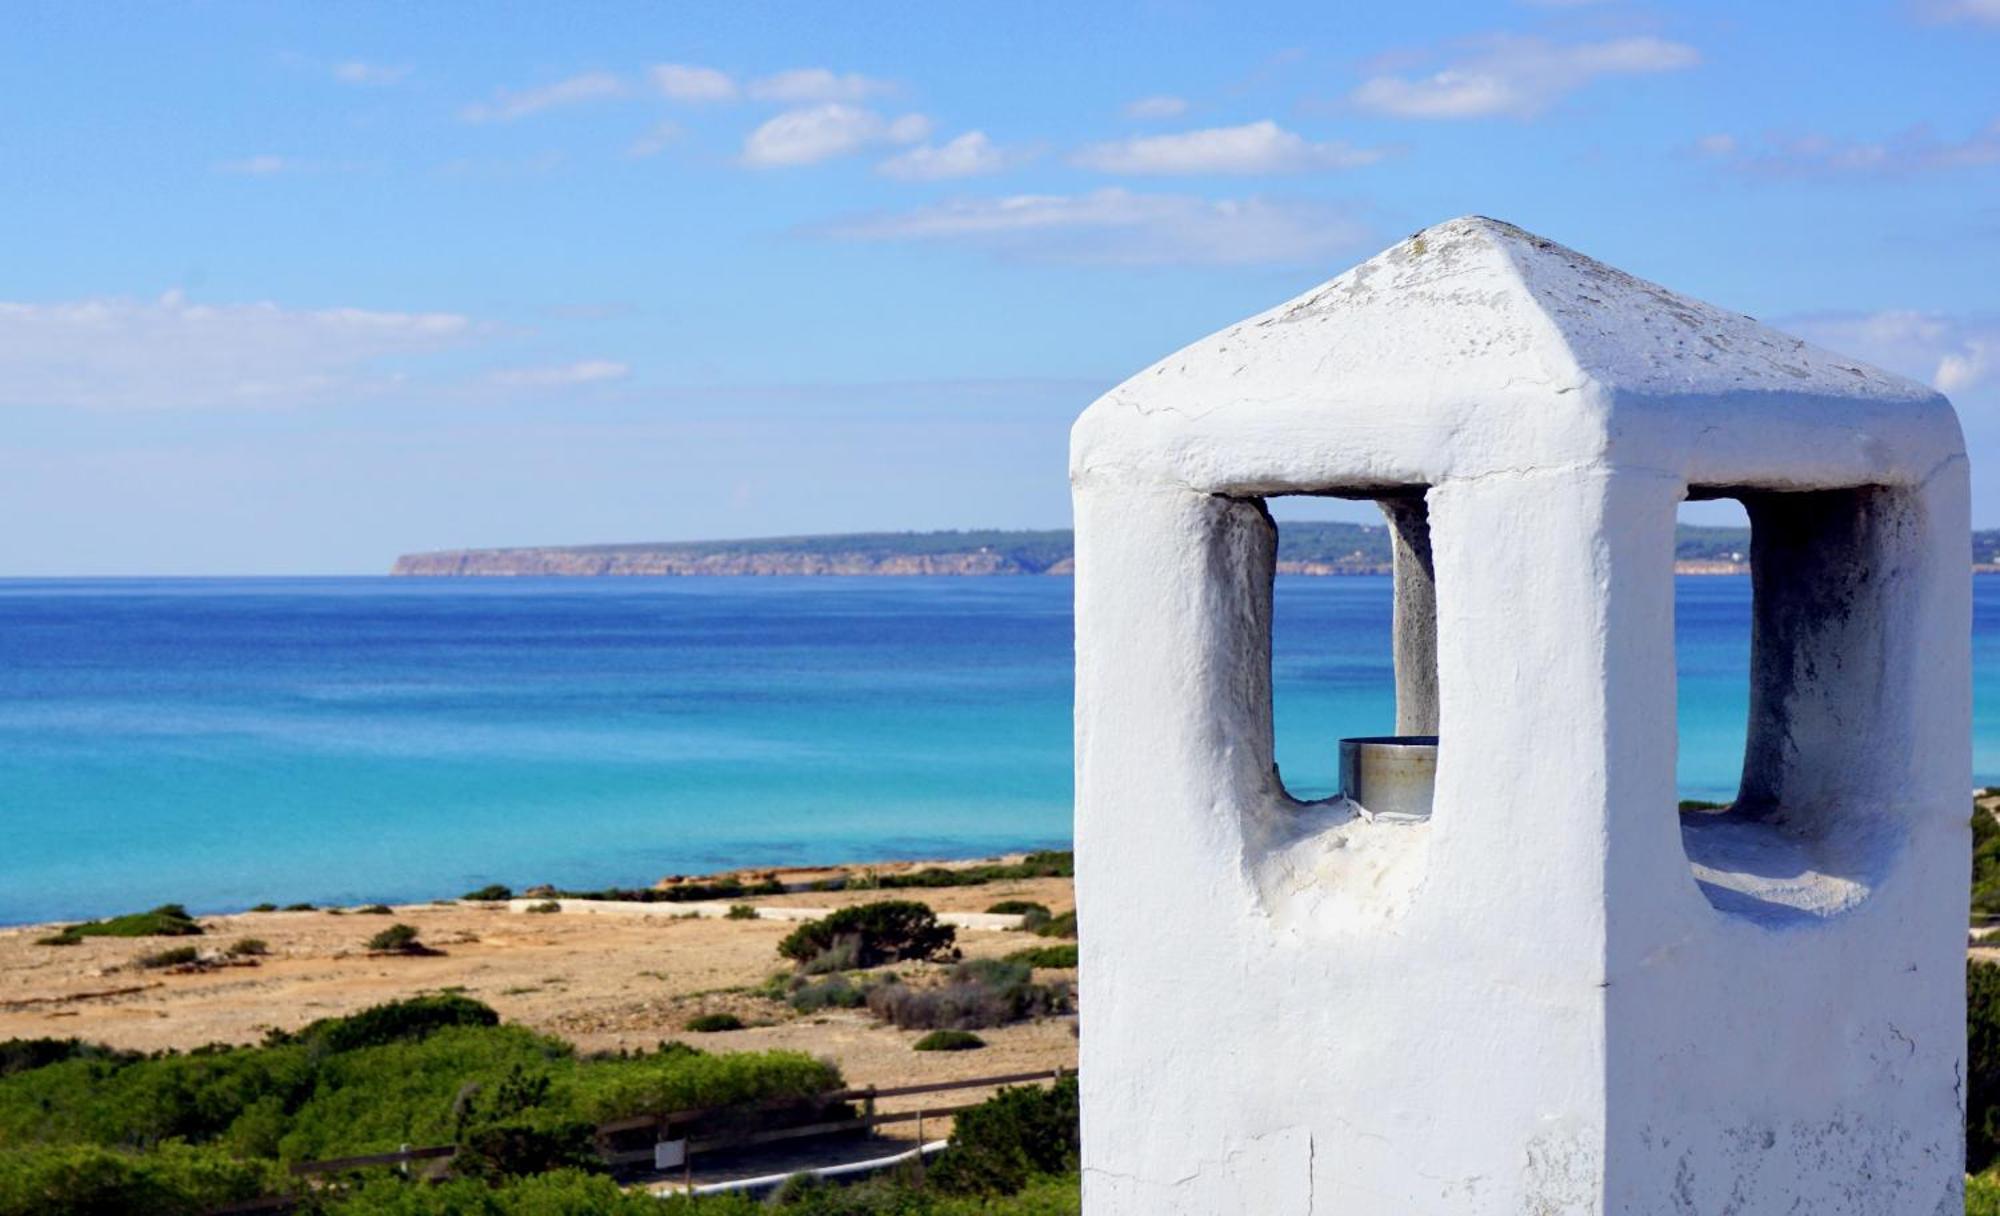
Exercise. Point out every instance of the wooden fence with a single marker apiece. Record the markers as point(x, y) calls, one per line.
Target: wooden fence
point(615, 1140)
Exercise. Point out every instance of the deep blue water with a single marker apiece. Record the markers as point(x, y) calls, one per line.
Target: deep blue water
point(224, 742)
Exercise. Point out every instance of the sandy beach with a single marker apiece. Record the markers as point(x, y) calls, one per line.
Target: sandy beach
point(613, 977)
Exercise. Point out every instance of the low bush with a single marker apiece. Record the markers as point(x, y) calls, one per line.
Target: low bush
point(1058, 926)
point(1982, 1195)
point(1982, 1072)
point(1047, 957)
point(376, 910)
point(491, 893)
point(398, 939)
point(1019, 907)
point(948, 1040)
point(1047, 864)
point(686, 892)
point(890, 931)
point(248, 947)
point(742, 912)
point(167, 920)
point(23, 1055)
point(1985, 862)
point(835, 992)
point(267, 907)
point(999, 1145)
point(711, 1023)
point(299, 907)
point(93, 1180)
point(177, 956)
point(396, 1022)
point(547, 907)
point(977, 994)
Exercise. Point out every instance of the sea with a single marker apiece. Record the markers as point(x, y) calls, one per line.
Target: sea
point(226, 742)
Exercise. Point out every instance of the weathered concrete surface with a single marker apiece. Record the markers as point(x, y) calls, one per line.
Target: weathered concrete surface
point(1553, 997)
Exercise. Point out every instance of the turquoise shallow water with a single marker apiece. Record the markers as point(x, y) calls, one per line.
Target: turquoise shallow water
point(224, 742)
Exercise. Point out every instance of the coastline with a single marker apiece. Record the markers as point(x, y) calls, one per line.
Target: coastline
point(603, 978)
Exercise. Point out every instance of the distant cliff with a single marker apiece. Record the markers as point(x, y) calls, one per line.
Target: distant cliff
point(1303, 548)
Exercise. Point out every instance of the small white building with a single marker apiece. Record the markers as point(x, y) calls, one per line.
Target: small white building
point(1556, 994)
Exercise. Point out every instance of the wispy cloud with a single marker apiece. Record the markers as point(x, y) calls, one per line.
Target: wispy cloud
point(1952, 354)
point(126, 354)
point(818, 84)
point(969, 155)
point(508, 105)
point(357, 72)
point(817, 133)
point(1156, 107)
point(1121, 227)
point(1254, 148)
point(568, 375)
point(655, 140)
point(1913, 151)
point(1974, 12)
point(1517, 77)
point(688, 82)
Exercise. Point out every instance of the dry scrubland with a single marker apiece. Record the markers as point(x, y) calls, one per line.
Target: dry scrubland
point(600, 980)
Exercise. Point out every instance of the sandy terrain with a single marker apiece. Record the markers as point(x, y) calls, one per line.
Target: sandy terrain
point(600, 980)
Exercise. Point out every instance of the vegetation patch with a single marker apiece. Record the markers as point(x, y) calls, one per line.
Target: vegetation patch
point(1053, 958)
point(976, 994)
point(399, 938)
point(686, 892)
point(868, 935)
point(546, 907)
point(174, 956)
point(742, 912)
point(376, 910)
point(948, 1040)
point(491, 893)
point(711, 1023)
point(1059, 926)
point(167, 920)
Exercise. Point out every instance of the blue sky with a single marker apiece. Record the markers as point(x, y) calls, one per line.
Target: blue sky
point(294, 288)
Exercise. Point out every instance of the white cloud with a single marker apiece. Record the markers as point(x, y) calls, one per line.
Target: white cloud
point(816, 133)
point(818, 84)
point(354, 71)
point(1120, 227)
point(1258, 147)
point(588, 371)
point(1952, 354)
point(1975, 12)
point(266, 165)
point(687, 82)
point(508, 105)
point(124, 354)
point(1915, 150)
point(1518, 77)
point(1156, 107)
point(969, 155)
point(655, 140)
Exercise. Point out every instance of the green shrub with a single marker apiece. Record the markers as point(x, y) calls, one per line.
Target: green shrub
point(177, 956)
point(1982, 1195)
point(263, 907)
point(299, 907)
point(686, 892)
point(376, 910)
point(248, 947)
point(977, 994)
point(711, 1023)
point(92, 1180)
point(742, 912)
point(397, 939)
point(948, 1040)
point(1985, 863)
point(1701, 804)
point(1048, 864)
point(1050, 957)
point(997, 1146)
point(1059, 926)
point(835, 991)
point(890, 931)
point(22, 1055)
point(562, 1193)
point(546, 907)
point(490, 893)
point(167, 920)
point(1019, 907)
point(1982, 1071)
point(396, 1022)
